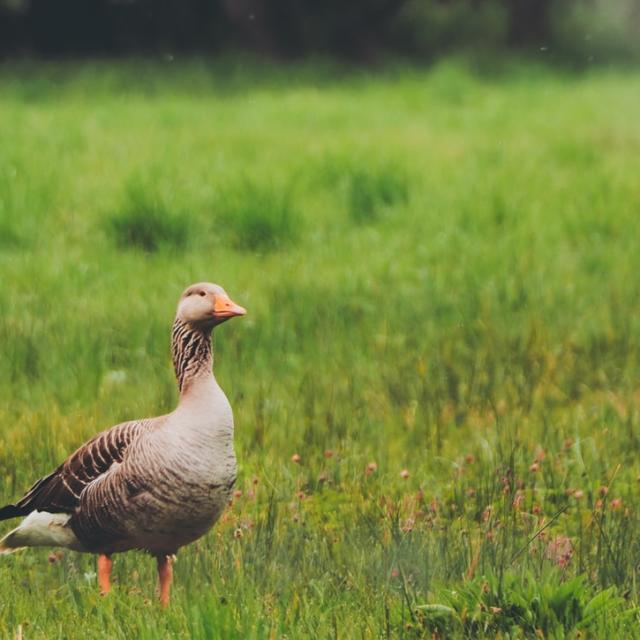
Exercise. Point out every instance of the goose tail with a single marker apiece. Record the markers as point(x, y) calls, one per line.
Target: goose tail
point(41, 529)
point(9, 544)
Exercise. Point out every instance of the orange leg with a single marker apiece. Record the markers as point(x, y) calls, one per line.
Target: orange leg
point(165, 575)
point(104, 572)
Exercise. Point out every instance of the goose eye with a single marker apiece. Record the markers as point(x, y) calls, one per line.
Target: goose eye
point(202, 293)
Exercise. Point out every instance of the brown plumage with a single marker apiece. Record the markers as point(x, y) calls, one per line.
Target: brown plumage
point(60, 491)
point(154, 484)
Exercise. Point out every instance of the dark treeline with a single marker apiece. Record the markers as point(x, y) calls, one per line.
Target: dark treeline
point(279, 28)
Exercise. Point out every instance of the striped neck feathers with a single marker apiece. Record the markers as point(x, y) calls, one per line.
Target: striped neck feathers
point(191, 352)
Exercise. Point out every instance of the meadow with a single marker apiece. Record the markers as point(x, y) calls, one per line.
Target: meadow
point(437, 387)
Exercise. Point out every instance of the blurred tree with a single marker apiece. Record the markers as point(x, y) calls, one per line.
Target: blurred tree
point(297, 27)
point(361, 29)
point(529, 21)
point(70, 26)
point(12, 25)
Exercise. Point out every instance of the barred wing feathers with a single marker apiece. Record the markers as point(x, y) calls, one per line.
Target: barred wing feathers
point(60, 491)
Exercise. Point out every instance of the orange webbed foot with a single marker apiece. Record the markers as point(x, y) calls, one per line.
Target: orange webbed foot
point(104, 574)
point(165, 577)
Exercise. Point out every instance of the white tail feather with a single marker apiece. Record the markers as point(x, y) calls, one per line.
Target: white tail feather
point(41, 529)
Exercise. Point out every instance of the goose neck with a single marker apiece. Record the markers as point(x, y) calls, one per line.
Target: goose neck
point(192, 354)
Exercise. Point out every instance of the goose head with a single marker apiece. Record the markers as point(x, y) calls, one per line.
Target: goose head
point(206, 305)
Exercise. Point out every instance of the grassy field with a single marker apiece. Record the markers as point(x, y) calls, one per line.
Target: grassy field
point(442, 272)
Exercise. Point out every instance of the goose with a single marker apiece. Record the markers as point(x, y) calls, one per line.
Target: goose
point(155, 484)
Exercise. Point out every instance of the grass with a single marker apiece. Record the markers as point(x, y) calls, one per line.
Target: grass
point(521, 605)
point(443, 284)
point(145, 221)
point(366, 187)
point(256, 217)
point(372, 191)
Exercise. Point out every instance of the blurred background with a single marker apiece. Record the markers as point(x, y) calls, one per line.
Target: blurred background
point(576, 31)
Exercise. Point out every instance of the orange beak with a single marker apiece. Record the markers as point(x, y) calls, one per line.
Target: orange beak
point(226, 308)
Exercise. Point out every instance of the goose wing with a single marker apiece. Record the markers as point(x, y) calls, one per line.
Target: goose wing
point(60, 491)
